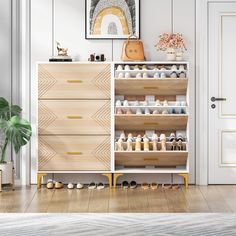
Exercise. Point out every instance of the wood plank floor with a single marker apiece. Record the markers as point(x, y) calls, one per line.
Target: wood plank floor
point(215, 198)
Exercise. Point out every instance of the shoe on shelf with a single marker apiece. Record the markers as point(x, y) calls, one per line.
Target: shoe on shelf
point(130, 143)
point(100, 186)
point(118, 103)
point(177, 103)
point(163, 68)
point(180, 145)
point(139, 111)
point(172, 137)
point(125, 103)
point(138, 76)
point(163, 75)
point(158, 103)
point(173, 111)
point(119, 111)
point(146, 143)
point(138, 143)
point(127, 75)
point(174, 68)
point(136, 67)
point(59, 185)
point(145, 75)
point(127, 67)
point(181, 68)
point(145, 186)
point(183, 103)
point(163, 142)
point(79, 186)
point(154, 142)
point(156, 76)
point(133, 184)
point(122, 136)
point(155, 112)
point(144, 67)
point(147, 111)
point(173, 75)
point(92, 186)
point(119, 67)
point(121, 75)
point(182, 111)
point(129, 111)
point(173, 145)
point(165, 112)
point(182, 75)
point(50, 184)
point(165, 103)
point(155, 67)
point(153, 186)
point(136, 103)
point(70, 186)
point(180, 137)
point(145, 103)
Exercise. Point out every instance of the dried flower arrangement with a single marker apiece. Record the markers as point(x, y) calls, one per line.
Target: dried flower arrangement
point(169, 40)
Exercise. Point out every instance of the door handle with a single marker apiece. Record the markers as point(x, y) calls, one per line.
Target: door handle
point(214, 99)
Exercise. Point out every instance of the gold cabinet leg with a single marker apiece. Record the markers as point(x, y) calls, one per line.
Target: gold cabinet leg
point(39, 179)
point(0, 181)
point(185, 176)
point(115, 177)
point(109, 176)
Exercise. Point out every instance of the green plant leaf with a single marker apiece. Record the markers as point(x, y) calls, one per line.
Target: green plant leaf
point(7, 111)
point(18, 132)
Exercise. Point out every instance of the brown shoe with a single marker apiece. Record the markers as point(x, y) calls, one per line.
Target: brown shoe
point(59, 185)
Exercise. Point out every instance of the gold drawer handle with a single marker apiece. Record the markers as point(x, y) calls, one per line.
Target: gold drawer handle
point(150, 87)
point(74, 117)
point(151, 124)
point(150, 159)
point(74, 153)
point(75, 81)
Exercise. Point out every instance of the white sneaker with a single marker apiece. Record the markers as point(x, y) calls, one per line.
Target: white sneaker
point(125, 103)
point(165, 103)
point(163, 68)
point(118, 103)
point(155, 112)
point(163, 75)
point(145, 75)
point(127, 67)
point(119, 67)
point(79, 186)
point(156, 76)
point(158, 103)
point(139, 76)
point(147, 111)
point(181, 68)
point(139, 111)
point(121, 75)
point(165, 112)
point(70, 186)
point(173, 75)
point(136, 103)
point(162, 137)
point(174, 68)
point(154, 137)
point(127, 75)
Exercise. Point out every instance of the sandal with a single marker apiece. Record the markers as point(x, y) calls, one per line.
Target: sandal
point(133, 185)
point(125, 185)
point(92, 186)
point(145, 186)
point(59, 185)
point(100, 186)
point(50, 184)
point(154, 186)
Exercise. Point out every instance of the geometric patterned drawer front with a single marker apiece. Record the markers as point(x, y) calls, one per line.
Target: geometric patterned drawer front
point(74, 153)
point(74, 81)
point(74, 117)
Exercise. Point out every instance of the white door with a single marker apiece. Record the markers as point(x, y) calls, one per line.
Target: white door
point(222, 93)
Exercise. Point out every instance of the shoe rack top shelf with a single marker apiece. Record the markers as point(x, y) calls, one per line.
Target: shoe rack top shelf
point(151, 122)
point(151, 170)
point(149, 86)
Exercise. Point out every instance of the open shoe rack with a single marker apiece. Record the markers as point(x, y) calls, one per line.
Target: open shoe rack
point(79, 124)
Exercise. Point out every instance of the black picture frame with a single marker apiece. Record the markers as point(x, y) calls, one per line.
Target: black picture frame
point(87, 29)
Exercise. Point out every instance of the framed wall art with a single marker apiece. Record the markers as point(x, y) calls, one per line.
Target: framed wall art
point(112, 19)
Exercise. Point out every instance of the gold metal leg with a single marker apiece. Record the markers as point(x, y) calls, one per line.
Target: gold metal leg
point(13, 180)
point(115, 177)
point(39, 179)
point(185, 176)
point(109, 176)
point(0, 181)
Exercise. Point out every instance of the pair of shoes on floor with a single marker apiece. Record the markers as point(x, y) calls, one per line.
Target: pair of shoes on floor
point(131, 185)
point(98, 186)
point(57, 185)
point(146, 186)
point(72, 186)
point(170, 186)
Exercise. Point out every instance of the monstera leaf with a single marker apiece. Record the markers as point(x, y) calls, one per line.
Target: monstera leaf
point(7, 111)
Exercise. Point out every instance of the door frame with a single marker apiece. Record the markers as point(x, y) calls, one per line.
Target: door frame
point(202, 85)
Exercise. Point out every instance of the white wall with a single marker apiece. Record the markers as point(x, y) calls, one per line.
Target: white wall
point(64, 21)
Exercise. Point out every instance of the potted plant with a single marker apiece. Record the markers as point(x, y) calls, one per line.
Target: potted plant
point(170, 42)
point(13, 130)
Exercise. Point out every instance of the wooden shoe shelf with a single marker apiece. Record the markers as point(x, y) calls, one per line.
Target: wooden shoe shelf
point(78, 126)
point(150, 89)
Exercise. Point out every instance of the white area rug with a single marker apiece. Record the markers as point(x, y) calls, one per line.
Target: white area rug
point(118, 224)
